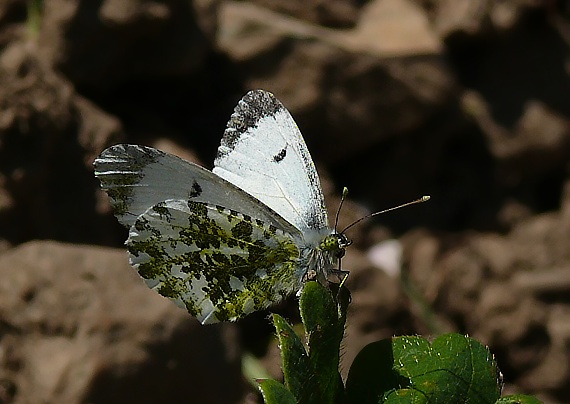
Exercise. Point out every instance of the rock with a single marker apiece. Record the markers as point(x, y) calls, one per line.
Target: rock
point(78, 325)
point(478, 17)
point(332, 13)
point(11, 11)
point(528, 157)
point(101, 46)
point(49, 136)
point(539, 143)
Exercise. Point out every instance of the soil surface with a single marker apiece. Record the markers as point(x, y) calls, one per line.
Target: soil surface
point(464, 100)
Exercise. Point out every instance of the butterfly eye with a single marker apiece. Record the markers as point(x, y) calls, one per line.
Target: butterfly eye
point(343, 242)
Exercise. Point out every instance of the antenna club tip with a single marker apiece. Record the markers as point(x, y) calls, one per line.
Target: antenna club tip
point(344, 192)
point(425, 198)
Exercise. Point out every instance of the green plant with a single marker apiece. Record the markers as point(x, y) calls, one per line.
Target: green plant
point(451, 369)
point(34, 8)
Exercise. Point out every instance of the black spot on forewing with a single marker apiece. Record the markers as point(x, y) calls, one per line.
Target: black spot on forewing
point(255, 105)
point(280, 156)
point(195, 191)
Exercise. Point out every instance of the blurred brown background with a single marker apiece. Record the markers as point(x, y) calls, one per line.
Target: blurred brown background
point(465, 100)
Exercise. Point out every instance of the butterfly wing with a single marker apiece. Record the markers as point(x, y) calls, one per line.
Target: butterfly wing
point(262, 152)
point(218, 264)
point(138, 177)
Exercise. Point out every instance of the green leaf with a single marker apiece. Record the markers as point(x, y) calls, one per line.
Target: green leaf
point(274, 392)
point(312, 374)
point(33, 23)
point(324, 319)
point(453, 369)
point(252, 369)
point(372, 374)
point(518, 399)
point(296, 367)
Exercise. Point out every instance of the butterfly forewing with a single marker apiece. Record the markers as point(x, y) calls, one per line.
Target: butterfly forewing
point(138, 177)
point(263, 153)
point(217, 263)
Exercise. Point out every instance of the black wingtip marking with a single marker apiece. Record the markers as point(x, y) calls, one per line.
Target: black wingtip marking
point(254, 106)
point(258, 104)
point(280, 156)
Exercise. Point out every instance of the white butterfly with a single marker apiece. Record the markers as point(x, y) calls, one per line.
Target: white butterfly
point(225, 243)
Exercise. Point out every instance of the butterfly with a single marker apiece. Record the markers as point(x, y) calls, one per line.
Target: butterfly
point(234, 240)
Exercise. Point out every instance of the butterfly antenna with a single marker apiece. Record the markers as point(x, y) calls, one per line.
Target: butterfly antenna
point(343, 197)
point(424, 198)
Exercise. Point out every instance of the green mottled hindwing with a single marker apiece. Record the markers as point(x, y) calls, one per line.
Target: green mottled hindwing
point(217, 263)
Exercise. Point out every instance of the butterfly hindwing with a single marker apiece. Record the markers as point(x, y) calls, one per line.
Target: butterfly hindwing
point(217, 263)
point(262, 152)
